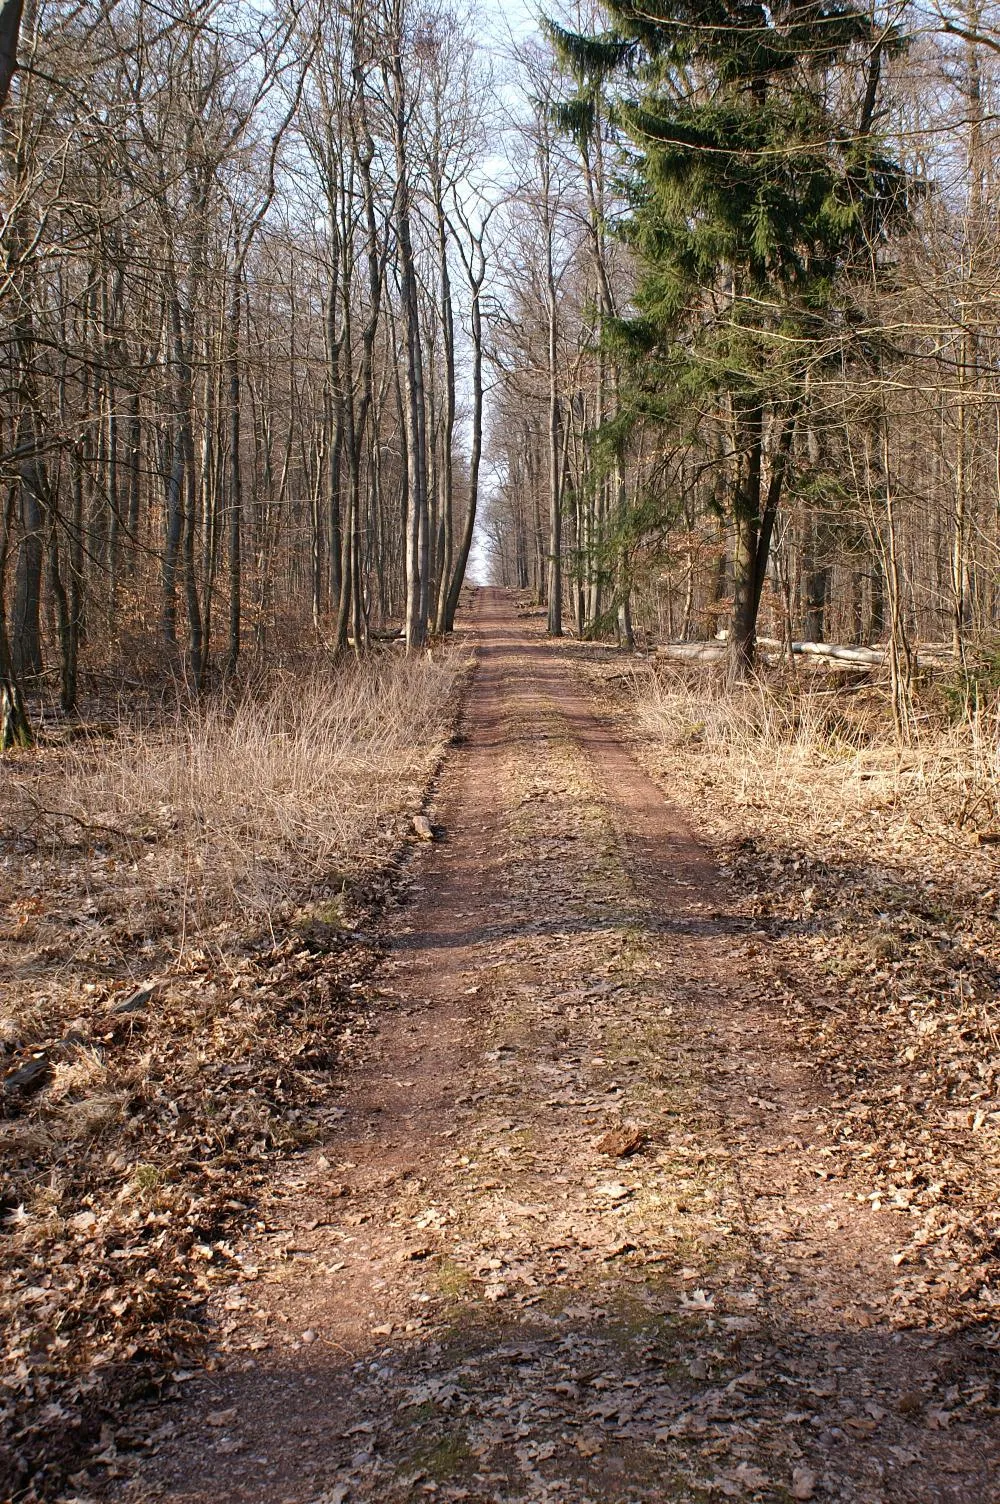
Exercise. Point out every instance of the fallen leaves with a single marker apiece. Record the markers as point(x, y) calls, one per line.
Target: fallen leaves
point(860, 1427)
point(745, 1478)
point(613, 1192)
point(697, 1300)
point(656, 1311)
point(619, 1143)
point(803, 1483)
point(218, 1418)
point(885, 930)
point(27, 1077)
point(148, 1087)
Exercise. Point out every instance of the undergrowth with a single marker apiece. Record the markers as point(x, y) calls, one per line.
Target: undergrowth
point(237, 809)
point(774, 740)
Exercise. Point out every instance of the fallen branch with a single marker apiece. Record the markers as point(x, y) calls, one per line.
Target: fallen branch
point(87, 825)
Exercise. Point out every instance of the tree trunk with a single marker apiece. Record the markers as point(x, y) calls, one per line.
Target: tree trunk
point(27, 638)
point(754, 530)
point(336, 442)
point(746, 535)
point(554, 586)
point(66, 625)
point(816, 583)
point(15, 728)
point(445, 502)
point(133, 483)
point(235, 506)
point(10, 26)
point(196, 630)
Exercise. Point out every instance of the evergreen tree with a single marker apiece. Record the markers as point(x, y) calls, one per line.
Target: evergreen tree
point(757, 189)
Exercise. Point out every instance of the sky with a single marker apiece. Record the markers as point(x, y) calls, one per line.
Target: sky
point(510, 17)
point(506, 20)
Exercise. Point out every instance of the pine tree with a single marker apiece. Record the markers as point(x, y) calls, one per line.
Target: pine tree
point(756, 190)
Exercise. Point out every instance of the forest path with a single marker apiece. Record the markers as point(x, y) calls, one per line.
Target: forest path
point(573, 1238)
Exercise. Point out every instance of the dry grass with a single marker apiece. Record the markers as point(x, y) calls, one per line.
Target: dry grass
point(238, 810)
point(790, 750)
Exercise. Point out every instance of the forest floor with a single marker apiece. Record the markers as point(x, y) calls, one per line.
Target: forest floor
point(580, 1224)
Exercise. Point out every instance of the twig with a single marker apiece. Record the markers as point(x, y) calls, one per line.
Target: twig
point(88, 825)
point(184, 909)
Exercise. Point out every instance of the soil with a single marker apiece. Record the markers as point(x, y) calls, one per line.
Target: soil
point(577, 1235)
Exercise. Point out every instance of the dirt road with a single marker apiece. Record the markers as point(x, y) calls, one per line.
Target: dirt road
point(574, 1237)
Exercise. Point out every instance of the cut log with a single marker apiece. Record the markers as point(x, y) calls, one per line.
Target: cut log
point(872, 657)
point(823, 652)
point(695, 652)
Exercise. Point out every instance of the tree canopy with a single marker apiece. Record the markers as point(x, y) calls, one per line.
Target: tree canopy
point(757, 190)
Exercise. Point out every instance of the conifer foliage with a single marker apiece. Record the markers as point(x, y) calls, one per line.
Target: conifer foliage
point(758, 196)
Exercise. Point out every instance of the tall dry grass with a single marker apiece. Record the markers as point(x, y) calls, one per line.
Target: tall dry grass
point(776, 744)
point(246, 807)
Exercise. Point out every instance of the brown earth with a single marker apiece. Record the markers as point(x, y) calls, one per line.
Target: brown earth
point(576, 1235)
